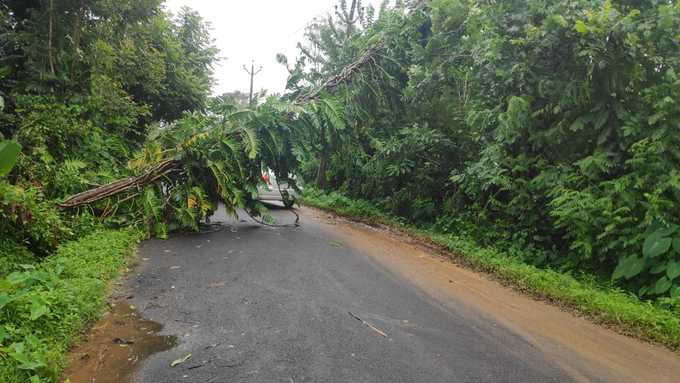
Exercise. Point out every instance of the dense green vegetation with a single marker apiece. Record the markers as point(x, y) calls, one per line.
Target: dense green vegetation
point(600, 301)
point(44, 305)
point(549, 124)
point(113, 71)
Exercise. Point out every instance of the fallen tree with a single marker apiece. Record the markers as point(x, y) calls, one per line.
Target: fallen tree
point(184, 169)
point(130, 184)
point(345, 75)
point(167, 166)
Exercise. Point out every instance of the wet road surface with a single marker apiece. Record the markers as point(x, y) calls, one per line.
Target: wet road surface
point(330, 301)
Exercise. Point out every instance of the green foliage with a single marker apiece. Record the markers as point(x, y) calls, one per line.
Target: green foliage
point(551, 124)
point(655, 272)
point(44, 306)
point(219, 156)
point(30, 220)
point(9, 151)
point(82, 84)
point(13, 256)
point(109, 69)
point(600, 302)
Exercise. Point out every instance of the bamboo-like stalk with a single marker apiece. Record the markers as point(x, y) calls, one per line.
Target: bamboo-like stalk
point(122, 186)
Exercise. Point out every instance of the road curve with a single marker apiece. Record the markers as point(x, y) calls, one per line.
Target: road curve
point(332, 301)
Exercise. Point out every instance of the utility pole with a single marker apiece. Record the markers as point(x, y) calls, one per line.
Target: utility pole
point(252, 74)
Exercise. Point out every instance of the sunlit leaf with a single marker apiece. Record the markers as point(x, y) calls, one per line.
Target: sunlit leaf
point(673, 270)
point(655, 246)
point(581, 27)
point(38, 309)
point(9, 151)
point(662, 285)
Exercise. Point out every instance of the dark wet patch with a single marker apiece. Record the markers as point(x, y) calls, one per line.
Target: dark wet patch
point(115, 346)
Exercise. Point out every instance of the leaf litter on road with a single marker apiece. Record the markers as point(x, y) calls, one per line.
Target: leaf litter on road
point(367, 324)
point(180, 360)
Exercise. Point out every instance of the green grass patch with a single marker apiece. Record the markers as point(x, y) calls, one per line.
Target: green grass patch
point(45, 306)
point(601, 302)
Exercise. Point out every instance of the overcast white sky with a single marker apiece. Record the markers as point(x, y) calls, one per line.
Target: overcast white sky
point(256, 29)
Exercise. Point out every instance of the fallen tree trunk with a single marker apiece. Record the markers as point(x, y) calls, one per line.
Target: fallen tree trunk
point(152, 175)
point(345, 75)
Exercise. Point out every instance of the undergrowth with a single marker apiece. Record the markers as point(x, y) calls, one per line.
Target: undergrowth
point(45, 305)
point(588, 295)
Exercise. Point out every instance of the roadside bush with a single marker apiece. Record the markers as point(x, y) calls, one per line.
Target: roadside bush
point(656, 271)
point(13, 256)
point(29, 219)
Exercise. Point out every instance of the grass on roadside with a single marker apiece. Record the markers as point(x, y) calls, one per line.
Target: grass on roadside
point(603, 304)
point(45, 305)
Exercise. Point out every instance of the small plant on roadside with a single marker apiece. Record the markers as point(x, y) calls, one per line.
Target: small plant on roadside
point(656, 271)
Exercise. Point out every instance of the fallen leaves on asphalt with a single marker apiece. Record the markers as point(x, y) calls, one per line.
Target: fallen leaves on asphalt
point(180, 360)
point(367, 324)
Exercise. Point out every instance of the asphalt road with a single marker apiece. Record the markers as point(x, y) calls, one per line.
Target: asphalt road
point(259, 304)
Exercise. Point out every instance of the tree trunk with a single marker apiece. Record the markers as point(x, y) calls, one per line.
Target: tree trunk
point(350, 19)
point(50, 32)
point(126, 185)
point(79, 15)
point(321, 173)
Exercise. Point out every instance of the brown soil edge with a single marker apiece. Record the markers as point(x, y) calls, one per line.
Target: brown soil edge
point(412, 237)
point(114, 285)
point(115, 346)
point(115, 314)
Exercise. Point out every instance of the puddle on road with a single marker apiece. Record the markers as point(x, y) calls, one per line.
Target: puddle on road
point(115, 346)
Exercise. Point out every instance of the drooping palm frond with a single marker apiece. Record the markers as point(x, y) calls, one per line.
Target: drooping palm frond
point(332, 111)
point(250, 141)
